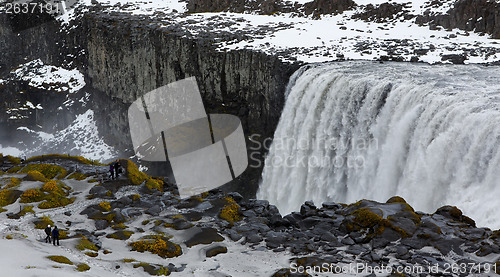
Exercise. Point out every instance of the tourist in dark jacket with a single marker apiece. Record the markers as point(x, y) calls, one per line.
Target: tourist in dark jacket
point(55, 235)
point(112, 171)
point(47, 232)
point(118, 168)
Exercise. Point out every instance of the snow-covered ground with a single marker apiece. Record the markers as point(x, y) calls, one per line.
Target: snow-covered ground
point(331, 37)
point(27, 255)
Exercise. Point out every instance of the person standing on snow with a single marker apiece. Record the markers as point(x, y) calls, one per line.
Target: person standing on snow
point(47, 232)
point(55, 235)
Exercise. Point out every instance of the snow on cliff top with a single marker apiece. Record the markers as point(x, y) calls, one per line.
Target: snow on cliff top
point(332, 37)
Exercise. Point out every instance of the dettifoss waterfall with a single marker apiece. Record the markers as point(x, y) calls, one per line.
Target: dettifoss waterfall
point(355, 130)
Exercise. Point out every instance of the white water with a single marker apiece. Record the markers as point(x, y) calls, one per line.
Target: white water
point(349, 131)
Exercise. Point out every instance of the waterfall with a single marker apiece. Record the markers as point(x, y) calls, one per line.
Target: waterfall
point(349, 131)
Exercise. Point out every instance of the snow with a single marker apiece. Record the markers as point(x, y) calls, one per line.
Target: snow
point(329, 38)
point(49, 77)
point(11, 151)
point(27, 251)
point(80, 137)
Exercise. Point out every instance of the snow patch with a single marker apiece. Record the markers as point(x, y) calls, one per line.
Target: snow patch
point(49, 77)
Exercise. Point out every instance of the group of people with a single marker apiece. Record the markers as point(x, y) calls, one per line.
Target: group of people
point(54, 232)
point(115, 168)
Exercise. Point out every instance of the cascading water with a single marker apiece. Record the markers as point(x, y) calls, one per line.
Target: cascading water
point(349, 131)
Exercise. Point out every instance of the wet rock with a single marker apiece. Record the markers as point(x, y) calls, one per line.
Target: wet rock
point(216, 250)
point(454, 58)
point(98, 191)
point(204, 236)
point(347, 241)
point(235, 236)
point(101, 224)
point(331, 205)
point(308, 209)
point(253, 238)
point(154, 211)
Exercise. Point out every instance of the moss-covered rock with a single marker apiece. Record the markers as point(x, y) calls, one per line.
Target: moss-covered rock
point(60, 259)
point(120, 235)
point(82, 267)
point(231, 211)
point(43, 222)
point(157, 244)
point(50, 171)
point(85, 244)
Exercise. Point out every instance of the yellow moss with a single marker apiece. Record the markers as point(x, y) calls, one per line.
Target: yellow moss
point(91, 254)
point(154, 184)
point(365, 218)
point(7, 197)
point(77, 176)
point(25, 210)
point(43, 222)
point(13, 160)
point(60, 259)
point(105, 205)
point(230, 212)
point(64, 157)
point(54, 202)
point(50, 186)
point(119, 226)
point(50, 171)
point(137, 177)
point(63, 234)
point(136, 197)
point(35, 175)
point(109, 193)
point(84, 243)
point(128, 260)
point(396, 199)
point(13, 183)
point(120, 235)
point(82, 267)
point(31, 195)
point(14, 169)
point(158, 245)
point(8, 237)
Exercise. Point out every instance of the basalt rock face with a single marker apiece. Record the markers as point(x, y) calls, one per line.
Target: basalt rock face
point(478, 15)
point(126, 59)
point(18, 43)
point(123, 57)
point(316, 7)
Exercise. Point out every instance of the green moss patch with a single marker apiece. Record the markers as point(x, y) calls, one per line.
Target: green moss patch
point(154, 270)
point(157, 244)
point(137, 177)
point(50, 171)
point(43, 222)
point(79, 159)
point(82, 267)
point(60, 259)
point(9, 196)
point(231, 211)
point(35, 175)
point(52, 193)
point(120, 235)
point(77, 176)
point(84, 243)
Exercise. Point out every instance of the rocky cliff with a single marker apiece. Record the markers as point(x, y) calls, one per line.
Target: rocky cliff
point(123, 57)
